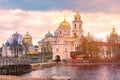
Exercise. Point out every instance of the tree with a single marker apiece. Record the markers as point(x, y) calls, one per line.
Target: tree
point(26, 47)
point(15, 44)
point(113, 47)
point(90, 48)
point(48, 50)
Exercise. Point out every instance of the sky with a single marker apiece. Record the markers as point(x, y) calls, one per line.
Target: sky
point(40, 16)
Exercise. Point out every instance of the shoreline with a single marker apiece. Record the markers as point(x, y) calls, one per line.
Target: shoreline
point(3, 77)
point(35, 66)
point(88, 63)
point(39, 66)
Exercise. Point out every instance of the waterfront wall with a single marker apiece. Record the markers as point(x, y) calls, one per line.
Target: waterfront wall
point(14, 69)
point(87, 62)
point(24, 68)
point(37, 66)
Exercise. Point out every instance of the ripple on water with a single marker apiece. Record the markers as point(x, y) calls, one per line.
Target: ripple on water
point(98, 72)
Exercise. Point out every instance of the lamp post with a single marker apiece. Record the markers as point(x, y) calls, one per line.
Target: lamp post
point(43, 54)
point(43, 51)
point(6, 51)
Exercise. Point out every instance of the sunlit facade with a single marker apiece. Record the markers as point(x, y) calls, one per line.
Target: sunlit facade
point(65, 38)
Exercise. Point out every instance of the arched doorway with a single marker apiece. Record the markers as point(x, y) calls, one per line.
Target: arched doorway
point(57, 58)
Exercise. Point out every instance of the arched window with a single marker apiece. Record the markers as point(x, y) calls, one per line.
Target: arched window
point(75, 18)
point(41, 49)
point(75, 26)
point(65, 49)
point(29, 41)
point(79, 26)
point(74, 35)
point(51, 48)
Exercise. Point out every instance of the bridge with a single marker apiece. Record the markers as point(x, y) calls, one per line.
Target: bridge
point(14, 66)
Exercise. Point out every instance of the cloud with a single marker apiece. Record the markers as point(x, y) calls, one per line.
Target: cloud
point(84, 5)
point(38, 23)
point(101, 24)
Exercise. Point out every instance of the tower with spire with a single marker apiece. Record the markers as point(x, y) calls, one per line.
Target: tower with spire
point(65, 40)
point(77, 30)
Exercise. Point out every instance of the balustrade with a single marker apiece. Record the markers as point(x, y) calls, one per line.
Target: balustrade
point(14, 61)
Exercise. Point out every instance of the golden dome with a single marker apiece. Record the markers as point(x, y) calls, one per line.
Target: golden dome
point(113, 33)
point(27, 36)
point(64, 24)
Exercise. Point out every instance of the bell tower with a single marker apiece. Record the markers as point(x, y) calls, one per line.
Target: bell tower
point(77, 30)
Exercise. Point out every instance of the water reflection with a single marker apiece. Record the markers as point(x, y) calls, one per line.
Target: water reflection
point(93, 72)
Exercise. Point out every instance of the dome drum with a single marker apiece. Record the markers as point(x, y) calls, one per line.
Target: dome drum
point(64, 24)
point(49, 35)
point(27, 36)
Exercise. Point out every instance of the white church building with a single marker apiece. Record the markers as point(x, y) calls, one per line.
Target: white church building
point(65, 39)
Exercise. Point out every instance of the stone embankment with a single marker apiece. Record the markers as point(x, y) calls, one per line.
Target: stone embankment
point(35, 66)
point(21, 69)
point(15, 69)
point(38, 66)
point(21, 78)
point(88, 62)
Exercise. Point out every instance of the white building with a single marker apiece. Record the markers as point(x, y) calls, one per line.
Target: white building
point(65, 38)
point(17, 50)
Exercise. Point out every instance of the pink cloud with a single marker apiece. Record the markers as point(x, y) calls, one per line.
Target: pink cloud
point(38, 23)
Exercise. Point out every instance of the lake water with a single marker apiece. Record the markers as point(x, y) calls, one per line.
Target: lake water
point(91, 72)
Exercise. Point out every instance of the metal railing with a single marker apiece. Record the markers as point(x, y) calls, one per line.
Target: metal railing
point(14, 61)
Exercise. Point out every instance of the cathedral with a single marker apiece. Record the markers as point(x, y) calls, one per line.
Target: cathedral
point(68, 39)
point(65, 39)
